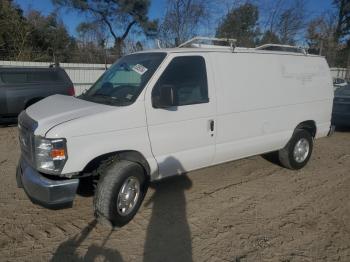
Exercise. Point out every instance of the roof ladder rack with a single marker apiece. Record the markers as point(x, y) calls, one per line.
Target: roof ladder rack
point(282, 48)
point(197, 42)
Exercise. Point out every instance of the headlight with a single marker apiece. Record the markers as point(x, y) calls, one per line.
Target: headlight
point(50, 154)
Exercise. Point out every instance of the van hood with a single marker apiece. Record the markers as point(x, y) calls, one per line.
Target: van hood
point(58, 109)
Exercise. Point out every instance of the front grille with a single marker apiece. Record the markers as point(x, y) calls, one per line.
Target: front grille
point(26, 128)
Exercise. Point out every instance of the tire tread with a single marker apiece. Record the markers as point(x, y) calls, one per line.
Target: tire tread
point(285, 155)
point(111, 171)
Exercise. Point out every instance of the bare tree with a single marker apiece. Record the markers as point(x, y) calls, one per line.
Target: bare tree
point(291, 22)
point(320, 36)
point(274, 13)
point(182, 20)
point(285, 21)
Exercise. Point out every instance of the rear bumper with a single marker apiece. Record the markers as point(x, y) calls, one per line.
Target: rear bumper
point(44, 191)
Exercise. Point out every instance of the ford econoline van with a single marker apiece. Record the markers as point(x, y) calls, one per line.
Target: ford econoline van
point(155, 114)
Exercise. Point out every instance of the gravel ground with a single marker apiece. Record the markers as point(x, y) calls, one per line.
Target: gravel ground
point(247, 210)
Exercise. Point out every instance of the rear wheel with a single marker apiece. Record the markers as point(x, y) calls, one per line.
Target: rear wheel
point(297, 152)
point(120, 192)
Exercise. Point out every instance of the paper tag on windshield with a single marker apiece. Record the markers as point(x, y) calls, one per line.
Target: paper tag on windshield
point(139, 69)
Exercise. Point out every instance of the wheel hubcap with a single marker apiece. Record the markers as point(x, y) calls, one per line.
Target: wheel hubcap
point(301, 150)
point(128, 195)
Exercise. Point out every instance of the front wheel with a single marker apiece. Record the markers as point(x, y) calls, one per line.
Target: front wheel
point(120, 192)
point(297, 152)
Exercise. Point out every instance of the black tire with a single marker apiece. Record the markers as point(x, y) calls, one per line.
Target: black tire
point(112, 178)
point(286, 155)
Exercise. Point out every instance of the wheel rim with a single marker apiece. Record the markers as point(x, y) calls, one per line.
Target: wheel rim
point(128, 195)
point(301, 150)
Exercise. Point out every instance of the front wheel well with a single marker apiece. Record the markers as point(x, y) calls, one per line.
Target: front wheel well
point(130, 155)
point(309, 126)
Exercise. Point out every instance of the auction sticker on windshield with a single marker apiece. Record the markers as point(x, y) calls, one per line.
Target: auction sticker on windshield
point(140, 69)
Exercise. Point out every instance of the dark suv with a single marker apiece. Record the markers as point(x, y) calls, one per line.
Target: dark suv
point(341, 107)
point(22, 87)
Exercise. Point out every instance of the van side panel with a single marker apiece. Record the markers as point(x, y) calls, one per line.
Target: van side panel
point(261, 98)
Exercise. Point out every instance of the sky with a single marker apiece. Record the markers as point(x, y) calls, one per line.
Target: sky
point(157, 9)
point(72, 20)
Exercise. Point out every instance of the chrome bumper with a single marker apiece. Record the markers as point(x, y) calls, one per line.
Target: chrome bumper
point(44, 191)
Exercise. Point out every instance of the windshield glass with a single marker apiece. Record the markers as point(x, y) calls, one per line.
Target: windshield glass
point(122, 83)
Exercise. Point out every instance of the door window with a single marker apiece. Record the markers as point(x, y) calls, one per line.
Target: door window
point(188, 77)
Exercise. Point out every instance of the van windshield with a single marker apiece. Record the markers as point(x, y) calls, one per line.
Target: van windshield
point(122, 83)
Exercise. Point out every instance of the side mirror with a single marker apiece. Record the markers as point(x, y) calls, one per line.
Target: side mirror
point(164, 97)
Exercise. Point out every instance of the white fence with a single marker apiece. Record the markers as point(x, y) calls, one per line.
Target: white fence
point(340, 73)
point(82, 75)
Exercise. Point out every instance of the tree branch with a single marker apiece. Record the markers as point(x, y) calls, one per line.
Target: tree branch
point(128, 30)
point(105, 20)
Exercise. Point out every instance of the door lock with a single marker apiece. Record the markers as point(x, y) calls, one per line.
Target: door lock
point(211, 124)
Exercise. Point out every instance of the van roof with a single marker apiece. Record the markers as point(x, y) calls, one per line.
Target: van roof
point(225, 49)
point(201, 44)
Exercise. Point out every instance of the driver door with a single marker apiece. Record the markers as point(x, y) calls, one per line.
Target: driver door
point(183, 136)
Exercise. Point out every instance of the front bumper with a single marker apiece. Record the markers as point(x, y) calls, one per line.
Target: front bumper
point(44, 191)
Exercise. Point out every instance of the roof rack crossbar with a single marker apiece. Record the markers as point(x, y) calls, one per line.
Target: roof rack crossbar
point(282, 48)
point(200, 38)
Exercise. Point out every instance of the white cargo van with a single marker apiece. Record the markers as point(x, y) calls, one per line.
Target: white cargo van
point(160, 113)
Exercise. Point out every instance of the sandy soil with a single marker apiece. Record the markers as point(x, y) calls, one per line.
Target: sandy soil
point(247, 210)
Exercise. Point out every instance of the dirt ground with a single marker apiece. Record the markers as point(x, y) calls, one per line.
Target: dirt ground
point(247, 210)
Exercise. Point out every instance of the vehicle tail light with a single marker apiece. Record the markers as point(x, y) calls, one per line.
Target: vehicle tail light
point(71, 91)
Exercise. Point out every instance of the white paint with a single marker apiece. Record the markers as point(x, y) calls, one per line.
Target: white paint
point(257, 98)
point(181, 138)
point(258, 113)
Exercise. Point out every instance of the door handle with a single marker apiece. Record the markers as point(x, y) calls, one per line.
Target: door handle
point(211, 125)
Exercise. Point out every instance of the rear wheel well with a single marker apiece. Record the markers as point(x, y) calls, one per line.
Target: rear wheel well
point(309, 126)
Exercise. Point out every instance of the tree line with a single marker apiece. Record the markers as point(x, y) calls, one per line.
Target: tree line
point(113, 28)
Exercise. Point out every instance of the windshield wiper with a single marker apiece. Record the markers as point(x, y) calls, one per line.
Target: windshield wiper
point(103, 98)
